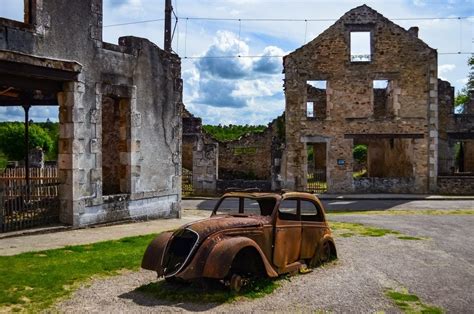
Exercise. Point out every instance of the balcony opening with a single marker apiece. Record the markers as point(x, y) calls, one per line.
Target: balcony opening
point(360, 47)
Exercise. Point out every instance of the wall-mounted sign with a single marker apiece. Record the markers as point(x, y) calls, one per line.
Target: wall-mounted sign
point(341, 162)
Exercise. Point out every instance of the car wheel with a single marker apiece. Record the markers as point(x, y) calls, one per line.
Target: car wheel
point(325, 255)
point(236, 283)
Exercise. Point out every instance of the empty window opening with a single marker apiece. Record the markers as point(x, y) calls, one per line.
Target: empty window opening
point(382, 97)
point(12, 10)
point(316, 100)
point(115, 132)
point(310, 109)
point(360, 47)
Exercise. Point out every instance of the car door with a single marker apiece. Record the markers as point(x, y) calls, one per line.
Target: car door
point(287, 236)
point(313, 227)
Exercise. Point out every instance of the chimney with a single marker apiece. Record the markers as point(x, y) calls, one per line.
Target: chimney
point(413, 31)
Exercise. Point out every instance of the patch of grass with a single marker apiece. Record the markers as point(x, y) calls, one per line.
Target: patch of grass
point(410, 303)
point(409, 238)
point(346, 230)
point(214, 293)
point(402, 212)
point(36, 280)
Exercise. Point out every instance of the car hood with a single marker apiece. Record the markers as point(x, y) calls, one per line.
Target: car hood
point(217, 223)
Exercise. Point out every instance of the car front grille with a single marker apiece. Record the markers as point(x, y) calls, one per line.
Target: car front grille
point(179, 251)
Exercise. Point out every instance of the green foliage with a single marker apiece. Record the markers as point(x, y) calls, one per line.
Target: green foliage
point(36, 280)
point(231, 132)
point(470, 80)
point(3, 160)
point(12, 135)
point(461, 98)
point(360, 153)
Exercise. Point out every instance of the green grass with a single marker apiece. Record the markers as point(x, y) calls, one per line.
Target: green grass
point(36, 280)
point(410, 303)
point(215, 293)
point(346, 230)
point(403, 212)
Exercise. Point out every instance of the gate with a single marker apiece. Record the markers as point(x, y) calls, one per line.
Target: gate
point(24, 206)
point(187, 182)
point(316, 181)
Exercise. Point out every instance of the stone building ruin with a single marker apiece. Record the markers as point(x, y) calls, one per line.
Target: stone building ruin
point(119, 110)
point(383, 95)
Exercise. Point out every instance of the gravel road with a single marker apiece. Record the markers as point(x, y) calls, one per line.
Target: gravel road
point(438, 269)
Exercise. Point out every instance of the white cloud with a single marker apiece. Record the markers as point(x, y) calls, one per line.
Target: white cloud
point(444, 69)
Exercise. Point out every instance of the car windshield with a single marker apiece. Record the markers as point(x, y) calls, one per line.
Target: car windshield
point(246, 206)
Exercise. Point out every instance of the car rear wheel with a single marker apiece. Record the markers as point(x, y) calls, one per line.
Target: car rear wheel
point(326, 253)
point(236, 283)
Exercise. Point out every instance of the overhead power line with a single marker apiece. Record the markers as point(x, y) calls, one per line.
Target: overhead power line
point(278, 56)
point(285, 20)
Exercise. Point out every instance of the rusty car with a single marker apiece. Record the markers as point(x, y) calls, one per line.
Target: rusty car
point(247, 235)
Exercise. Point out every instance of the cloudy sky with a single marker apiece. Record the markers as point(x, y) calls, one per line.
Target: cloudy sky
point(248, 90)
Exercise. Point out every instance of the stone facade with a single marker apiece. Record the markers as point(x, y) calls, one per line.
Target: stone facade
point(403, 117)
point(200, 155)
point(119, 110)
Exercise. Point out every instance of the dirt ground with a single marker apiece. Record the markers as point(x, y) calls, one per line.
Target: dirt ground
point(438, 269)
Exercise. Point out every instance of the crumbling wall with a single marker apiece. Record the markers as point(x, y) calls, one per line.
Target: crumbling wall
point(250, 157)
point(143, 77)
point(398, 56)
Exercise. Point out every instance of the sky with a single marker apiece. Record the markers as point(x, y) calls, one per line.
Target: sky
point(249, 90)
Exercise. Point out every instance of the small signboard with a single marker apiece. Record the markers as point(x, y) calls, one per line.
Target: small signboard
point(341, 162)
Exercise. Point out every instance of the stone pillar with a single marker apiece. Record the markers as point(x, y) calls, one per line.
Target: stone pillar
point(71, 150)
point(205, 167)
point(433, 129)
point(36, 158)
point(340, 165)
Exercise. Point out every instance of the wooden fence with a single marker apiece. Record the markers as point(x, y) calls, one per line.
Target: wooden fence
point(24, 206)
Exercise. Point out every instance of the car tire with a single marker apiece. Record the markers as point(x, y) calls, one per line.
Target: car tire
point(236, 283)
point(326, 253)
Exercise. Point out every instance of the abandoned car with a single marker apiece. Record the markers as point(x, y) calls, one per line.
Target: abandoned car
point(248, 235)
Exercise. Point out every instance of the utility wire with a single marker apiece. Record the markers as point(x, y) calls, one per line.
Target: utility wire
point(287, 20)
point(277, 56)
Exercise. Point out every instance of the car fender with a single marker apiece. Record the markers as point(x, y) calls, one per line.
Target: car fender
point(154, 253)
point(220, 258)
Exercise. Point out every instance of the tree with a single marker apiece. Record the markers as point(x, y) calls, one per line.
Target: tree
point(360, 153)
point(462, 96)
point(12, 141)
point(470, 79)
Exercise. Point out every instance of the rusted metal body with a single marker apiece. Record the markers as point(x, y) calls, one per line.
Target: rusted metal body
point(259, 234)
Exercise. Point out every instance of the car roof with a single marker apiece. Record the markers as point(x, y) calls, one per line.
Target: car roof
point(285, 195)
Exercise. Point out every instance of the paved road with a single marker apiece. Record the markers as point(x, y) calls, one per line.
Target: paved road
point(340, 205)
point(438, 269)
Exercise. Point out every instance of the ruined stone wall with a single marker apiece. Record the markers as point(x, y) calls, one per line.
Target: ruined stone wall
point(398, 56)
point(246, 158)
point(456, 185)
point(249, 157)
point(390, 158)
point(143, 78)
